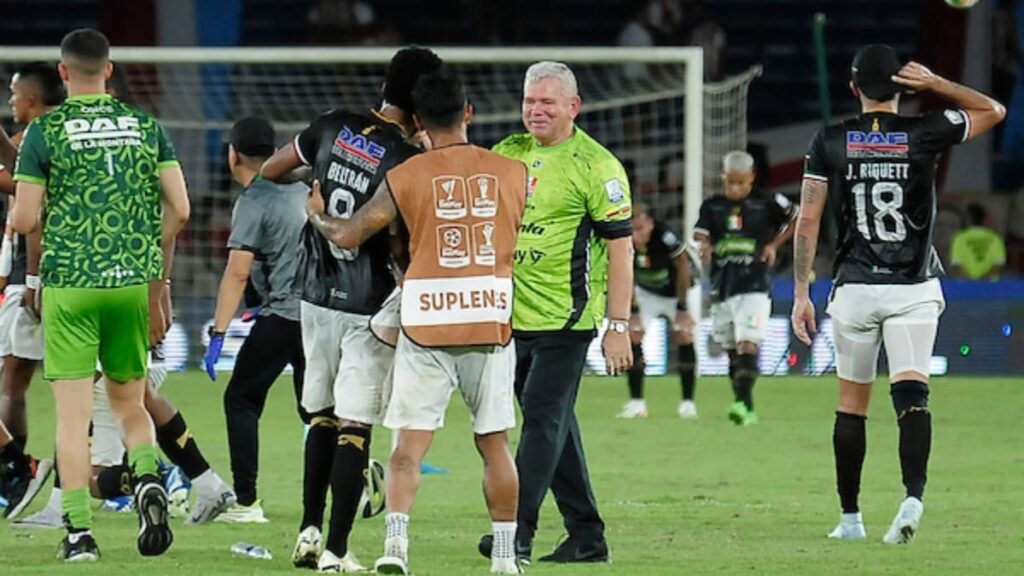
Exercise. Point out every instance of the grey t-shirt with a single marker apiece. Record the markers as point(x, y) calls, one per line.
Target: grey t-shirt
point(267, 221)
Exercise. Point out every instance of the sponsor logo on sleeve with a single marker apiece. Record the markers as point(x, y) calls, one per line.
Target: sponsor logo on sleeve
point(955, 117)
point(614, 190)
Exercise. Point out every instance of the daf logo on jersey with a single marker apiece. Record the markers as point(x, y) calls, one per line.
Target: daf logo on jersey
point(359, 146)
point(119, 131)
point(876, 144)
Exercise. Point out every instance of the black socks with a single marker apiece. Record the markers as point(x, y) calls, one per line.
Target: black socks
point(849, 443)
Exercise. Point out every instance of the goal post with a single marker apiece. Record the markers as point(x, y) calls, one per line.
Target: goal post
point(649, 106)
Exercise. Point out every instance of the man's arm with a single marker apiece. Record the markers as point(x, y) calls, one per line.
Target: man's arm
point(8, 150)
point(785, 234)
point(25, 215)
point(281, 163)
point(176, 210)
point(812, 205)
point(983, 112)
point(232, 287)
point(373, 217)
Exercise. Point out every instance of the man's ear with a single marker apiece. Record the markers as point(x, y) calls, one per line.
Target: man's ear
point(62, 70)
point(468, 114)
point(854, 89)
point(417, 122)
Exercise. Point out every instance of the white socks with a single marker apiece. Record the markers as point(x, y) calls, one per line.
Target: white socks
point(504, 540)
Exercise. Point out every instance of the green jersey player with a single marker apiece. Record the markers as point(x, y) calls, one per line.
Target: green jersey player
point(115, 199)
point(574, 247)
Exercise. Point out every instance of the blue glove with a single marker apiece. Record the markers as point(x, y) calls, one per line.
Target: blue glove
point(213, 353)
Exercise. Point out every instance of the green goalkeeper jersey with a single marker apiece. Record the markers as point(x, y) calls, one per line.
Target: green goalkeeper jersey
point(100, 162)
point(578, 196)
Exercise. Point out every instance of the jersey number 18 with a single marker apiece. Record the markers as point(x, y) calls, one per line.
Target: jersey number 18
point(887, 199)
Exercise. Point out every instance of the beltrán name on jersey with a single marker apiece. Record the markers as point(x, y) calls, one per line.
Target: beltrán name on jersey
point(351, 179)
point(876, 144)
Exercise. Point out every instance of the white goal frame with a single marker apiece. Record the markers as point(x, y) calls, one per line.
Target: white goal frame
point(692, 57)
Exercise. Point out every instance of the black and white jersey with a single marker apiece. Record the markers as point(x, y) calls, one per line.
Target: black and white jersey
point(350, 154)
point(880, 170)
point(654, 265)
point(738, 232)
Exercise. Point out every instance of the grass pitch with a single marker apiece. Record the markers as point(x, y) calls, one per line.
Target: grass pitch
point(679, 497)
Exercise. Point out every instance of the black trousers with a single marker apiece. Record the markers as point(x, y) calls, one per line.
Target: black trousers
point(273, 343)
point(550, 454)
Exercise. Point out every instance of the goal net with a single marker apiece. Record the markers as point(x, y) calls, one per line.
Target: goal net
point(649, 106)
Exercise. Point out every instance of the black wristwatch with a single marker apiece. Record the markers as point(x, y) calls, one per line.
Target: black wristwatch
point(680, 305)
point(214, 333)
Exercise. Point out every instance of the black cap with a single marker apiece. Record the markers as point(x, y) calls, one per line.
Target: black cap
point(253, 136)
point(872, 71)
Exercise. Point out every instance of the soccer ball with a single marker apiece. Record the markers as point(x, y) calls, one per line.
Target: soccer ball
point(961, 4)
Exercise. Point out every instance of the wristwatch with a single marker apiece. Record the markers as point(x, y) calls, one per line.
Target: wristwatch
point(618, 326)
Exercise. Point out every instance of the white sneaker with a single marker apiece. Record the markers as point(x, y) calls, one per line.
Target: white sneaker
point(505, 566)
point(213, 498)
point(239, 514)
point(307, 548)
point(348, 564)
point(907, 520)
point(687, 409)
point(396, 557)
point(634, 409)
point(49, 518)
point(851, 527)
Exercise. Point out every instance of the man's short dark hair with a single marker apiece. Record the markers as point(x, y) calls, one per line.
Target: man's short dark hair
point(407, 65)
point(439, 98)
point(46, 80)
point(86, 49)
point(976, 214)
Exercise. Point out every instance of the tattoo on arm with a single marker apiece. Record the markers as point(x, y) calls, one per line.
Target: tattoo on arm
point(803, 259)
point(812, 205)
point(367, 221)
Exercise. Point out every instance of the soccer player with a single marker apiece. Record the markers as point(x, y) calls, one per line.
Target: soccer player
point(574, 247)
point(662, 275)
point(105, 170)
point(35, 89)
point(265, 227)
point(347, 377)
point(740, 232)
point(456, 305)
point(878, 172)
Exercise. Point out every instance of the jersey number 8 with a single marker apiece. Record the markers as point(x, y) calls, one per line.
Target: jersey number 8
point(341, 205)
point(887, 199)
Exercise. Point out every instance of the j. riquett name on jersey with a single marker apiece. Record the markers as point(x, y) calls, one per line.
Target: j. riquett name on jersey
point(350, 154)
point(880, 168)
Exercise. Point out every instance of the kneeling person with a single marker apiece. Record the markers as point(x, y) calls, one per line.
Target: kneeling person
point(463, 206)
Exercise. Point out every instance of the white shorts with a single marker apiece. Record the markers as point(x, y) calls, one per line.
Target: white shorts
point(107, 448)
point(653, 305)
point(740, 318)
point(425, 378)
point(905, 316)
point(21, 333)
point(346, 365)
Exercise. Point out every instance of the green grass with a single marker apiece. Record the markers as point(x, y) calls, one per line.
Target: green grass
point(679, 497)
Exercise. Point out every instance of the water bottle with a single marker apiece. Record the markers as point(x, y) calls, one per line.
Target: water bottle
point(250, 551)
